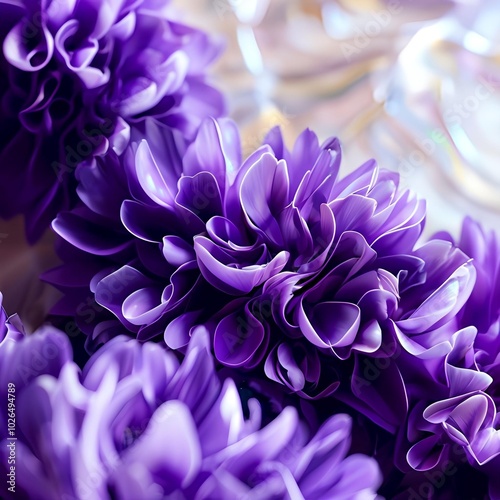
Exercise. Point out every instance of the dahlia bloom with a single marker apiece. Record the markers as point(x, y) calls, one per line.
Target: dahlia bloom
point(136, 424)
point(78, 80)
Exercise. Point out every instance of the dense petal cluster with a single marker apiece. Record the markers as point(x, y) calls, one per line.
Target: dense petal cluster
point(137, 424)
point(80, 79)
point(290, 266)
point(134, 237)
point(454, 415)
point(243, 316)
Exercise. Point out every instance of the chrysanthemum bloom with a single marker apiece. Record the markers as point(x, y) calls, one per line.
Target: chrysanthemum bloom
point(78, 80)
point(203, 214)
point(352, 283)
point(287, 264)
point(461, 409)
point(136, 424)
point(132, 240)
point(214, 196)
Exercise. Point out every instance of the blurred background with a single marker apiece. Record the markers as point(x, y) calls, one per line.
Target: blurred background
point(412, 83)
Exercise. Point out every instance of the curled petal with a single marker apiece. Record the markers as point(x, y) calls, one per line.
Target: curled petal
point(426, 454)
point(265, 185)
point(151, 177)
point(238, 338)
point(330, 324)
point(216, 267)
point(16, 51)
point(444, 302)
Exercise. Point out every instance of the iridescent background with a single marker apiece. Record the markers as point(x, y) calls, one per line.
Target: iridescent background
point(413, 83)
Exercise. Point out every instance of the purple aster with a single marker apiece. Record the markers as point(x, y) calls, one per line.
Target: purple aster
point(136, 424)
point(79, 79)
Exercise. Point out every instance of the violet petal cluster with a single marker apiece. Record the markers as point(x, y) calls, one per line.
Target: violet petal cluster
point(454, 415)
point(292, 268)
point(79, 79)
point(137, 424)
point(295, 336)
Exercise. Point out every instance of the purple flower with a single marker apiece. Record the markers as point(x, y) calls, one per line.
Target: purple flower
point(447, 389)
point(482, 310)
point(136, 424)
point(81, 79)
point(200, 215)
point(458, 412)
point(132, 242)
point(293, 269)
